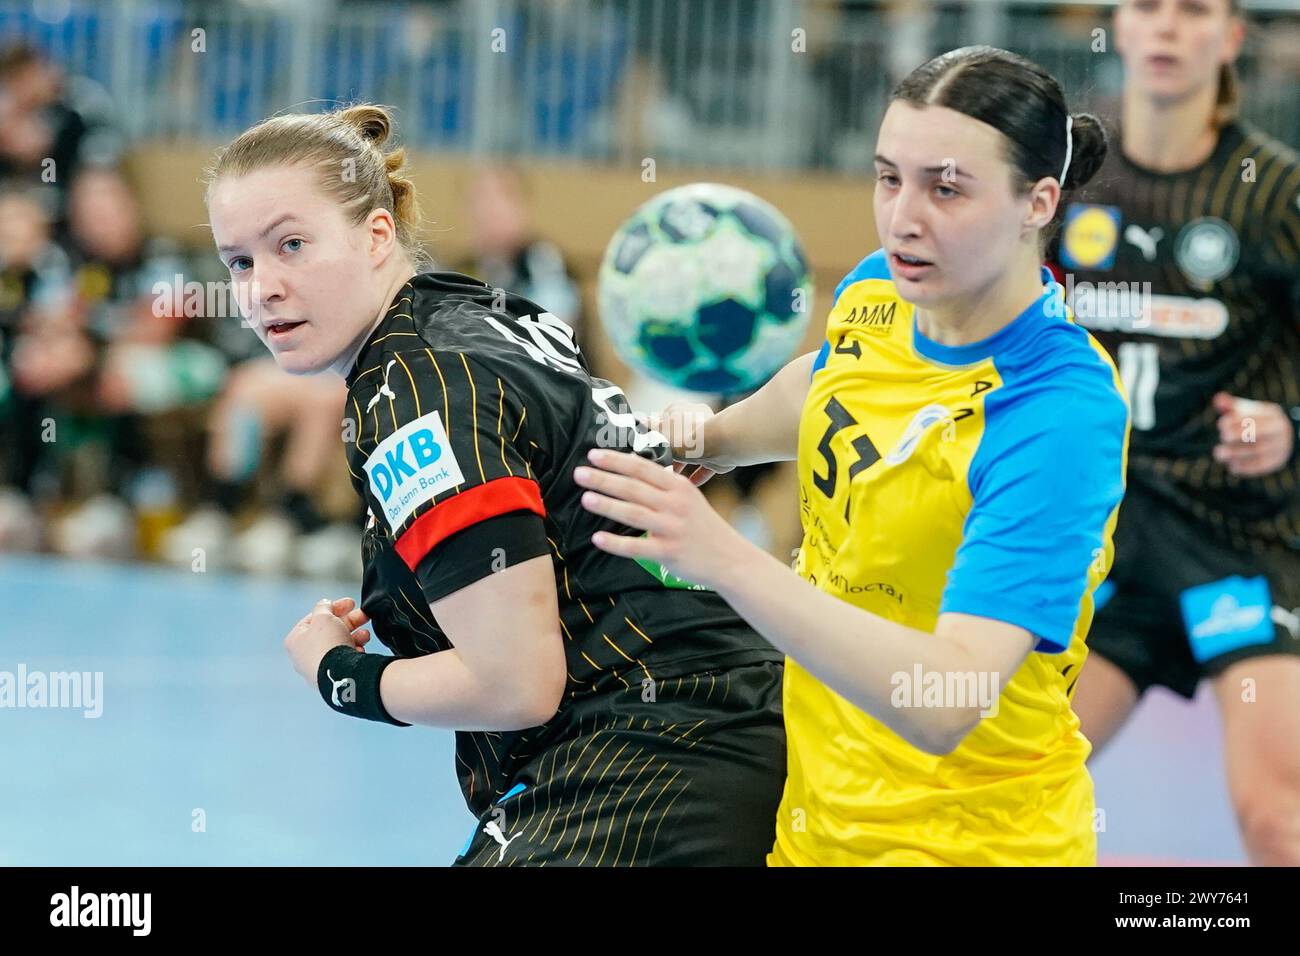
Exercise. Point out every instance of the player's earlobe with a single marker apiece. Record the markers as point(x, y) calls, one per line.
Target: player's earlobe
point(1044, 196)
point(382, 234)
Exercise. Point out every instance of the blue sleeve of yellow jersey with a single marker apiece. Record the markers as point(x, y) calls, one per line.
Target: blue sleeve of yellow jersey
point(820, 361)
point(1046, 477)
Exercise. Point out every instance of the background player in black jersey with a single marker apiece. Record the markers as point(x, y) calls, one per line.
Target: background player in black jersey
point(1206, 581)
point(607, 712)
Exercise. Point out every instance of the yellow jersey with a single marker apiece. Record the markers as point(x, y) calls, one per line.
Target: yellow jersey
point(983, 479)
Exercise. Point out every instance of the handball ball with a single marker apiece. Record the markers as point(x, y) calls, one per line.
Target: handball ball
point(706, 288)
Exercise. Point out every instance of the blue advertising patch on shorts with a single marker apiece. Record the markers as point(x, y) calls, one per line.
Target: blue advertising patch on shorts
point(1227, 614)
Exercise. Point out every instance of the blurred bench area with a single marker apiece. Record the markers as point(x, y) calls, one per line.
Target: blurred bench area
point(134, 425)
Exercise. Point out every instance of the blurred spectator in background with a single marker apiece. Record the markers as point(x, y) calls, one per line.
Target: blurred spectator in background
point(509, 254)
point(116, 365)
point(51, 125)
point(33, 271)
point(275, 471)
point(1279, 74)
point(119, 412)
point(839, 109)
point(911, 27)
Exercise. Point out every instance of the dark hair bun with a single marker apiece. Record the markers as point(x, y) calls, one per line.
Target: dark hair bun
point(1090, 146)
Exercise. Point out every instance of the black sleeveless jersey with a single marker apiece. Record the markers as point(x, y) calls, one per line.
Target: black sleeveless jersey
point(1192, 281)
point(467, 411)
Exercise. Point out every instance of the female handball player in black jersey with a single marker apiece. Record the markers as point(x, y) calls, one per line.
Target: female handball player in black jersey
point(1206, 582)
point(607, 713)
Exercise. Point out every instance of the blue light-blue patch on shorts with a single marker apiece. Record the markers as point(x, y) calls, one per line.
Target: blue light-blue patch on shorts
point(1227, 614)
point(512, 792)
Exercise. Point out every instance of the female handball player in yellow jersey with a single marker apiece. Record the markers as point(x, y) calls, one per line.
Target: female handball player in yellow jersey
point(961, 448)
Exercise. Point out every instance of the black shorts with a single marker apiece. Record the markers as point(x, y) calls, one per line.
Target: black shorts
point(690, 778)
point(1180, 604)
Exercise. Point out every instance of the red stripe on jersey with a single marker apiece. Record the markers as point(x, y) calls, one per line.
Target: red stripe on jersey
point(499, 496)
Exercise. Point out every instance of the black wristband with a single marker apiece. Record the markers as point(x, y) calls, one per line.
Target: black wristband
point(348, 680)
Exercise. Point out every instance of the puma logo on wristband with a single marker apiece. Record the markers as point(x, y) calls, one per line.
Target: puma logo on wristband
point(356, 692)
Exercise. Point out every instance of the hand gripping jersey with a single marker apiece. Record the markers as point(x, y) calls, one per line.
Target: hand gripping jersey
point(983, 479)
point(469, 408)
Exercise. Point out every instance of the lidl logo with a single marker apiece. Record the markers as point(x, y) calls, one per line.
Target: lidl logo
point(1090, 236)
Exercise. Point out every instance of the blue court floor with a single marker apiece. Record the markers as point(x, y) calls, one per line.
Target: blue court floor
point(204, 721)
